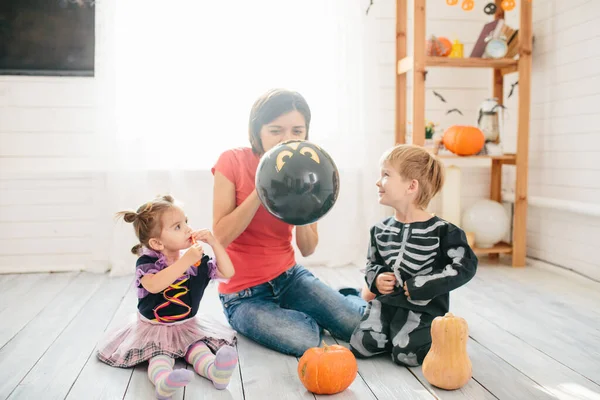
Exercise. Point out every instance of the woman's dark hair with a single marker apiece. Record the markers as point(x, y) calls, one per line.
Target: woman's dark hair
point(271, 105)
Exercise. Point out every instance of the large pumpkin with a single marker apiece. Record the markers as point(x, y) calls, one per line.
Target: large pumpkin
point(464, 140)
point(327, 369)
point(447, 364)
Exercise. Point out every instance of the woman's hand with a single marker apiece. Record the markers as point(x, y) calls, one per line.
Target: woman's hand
point(307, 238)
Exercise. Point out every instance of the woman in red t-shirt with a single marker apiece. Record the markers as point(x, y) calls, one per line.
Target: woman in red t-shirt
point(272, 299)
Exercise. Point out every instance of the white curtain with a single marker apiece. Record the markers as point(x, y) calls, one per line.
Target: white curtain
point(185, 76)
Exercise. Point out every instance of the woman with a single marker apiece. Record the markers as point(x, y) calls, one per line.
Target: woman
point(271, 299)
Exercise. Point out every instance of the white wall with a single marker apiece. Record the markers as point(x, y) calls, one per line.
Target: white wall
point(50, 218)
point(50, 151)
point(565, 132)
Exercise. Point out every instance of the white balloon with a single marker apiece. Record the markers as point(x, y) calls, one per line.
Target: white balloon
point(488, 221)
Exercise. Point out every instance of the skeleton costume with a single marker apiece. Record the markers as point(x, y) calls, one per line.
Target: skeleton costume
point(432, 257)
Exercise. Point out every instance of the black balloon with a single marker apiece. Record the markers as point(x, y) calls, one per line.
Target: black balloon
point(297, 182)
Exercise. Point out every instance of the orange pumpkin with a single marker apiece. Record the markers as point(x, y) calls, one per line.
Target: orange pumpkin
point(447, 44)
point(438, 48)
point(327, 369)
point(464, 140)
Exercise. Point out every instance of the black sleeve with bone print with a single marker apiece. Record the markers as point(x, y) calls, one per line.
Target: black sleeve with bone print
point(375, 264)
point(459, 264)
point(432, 257)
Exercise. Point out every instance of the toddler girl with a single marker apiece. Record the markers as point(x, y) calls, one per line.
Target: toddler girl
point(170, 286)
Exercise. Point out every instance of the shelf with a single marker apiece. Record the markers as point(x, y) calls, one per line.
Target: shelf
point(476, 161)
point(470, 62)
point(500, 248)
point(420, 64)
point(507, 65)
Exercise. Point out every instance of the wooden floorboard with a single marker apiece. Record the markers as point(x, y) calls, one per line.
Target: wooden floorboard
point(501, 378)
point(534, 334)
point(56, 371)
point(96, 380)
point(553, 376)
point(22, 352)
point(552, 336)
point(30, 294)
point(550, 293)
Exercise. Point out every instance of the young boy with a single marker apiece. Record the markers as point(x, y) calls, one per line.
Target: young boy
point(414, 261)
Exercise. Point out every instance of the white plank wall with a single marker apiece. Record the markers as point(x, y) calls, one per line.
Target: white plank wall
point(50, 167)
point(565, 132)
point(48, 126)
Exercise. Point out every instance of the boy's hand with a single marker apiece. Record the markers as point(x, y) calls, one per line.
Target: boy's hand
point(385, 282)
point(204, 235)
point(194, 254)
point(406, 291)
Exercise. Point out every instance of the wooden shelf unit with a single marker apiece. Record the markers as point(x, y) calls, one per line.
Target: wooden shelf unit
point(418, 63)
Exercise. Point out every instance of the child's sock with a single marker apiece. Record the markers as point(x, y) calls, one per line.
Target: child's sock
point(217, 368)
point(225, 362)
point(166, 380)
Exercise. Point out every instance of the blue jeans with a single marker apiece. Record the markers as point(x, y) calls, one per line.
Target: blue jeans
point(288, 313)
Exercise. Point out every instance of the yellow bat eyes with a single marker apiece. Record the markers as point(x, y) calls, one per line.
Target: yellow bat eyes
point(307, 151)
point(285, 155)
point(282, 157)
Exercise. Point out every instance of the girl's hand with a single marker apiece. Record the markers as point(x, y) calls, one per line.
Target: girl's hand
point(406, 291)
point(204, 235)
point(194, 254)
point(385, 282)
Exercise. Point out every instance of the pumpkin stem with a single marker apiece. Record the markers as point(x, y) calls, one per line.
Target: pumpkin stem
point(325, 346)
point(449, 314)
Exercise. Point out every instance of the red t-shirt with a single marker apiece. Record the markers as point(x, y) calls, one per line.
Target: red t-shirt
point(264, 250)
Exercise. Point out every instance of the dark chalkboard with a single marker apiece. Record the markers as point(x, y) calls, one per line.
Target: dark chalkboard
point(47, 37)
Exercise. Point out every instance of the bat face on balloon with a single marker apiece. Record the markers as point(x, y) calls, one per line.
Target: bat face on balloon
point(301, 149)
point(297, 182)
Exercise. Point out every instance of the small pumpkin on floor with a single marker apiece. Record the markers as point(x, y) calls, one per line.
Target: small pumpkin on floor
point(447, 364)
point(327, 369)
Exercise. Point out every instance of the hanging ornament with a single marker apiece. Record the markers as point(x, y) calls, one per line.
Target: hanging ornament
point(452, 2)
point(468, 5)
point(489, 9)
point(508, 5)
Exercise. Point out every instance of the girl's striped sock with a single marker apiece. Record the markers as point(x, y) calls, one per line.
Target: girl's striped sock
point(225, 362)
point(217, 368)
point(166, 380)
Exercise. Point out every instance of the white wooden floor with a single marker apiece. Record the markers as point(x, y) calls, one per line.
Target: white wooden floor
point(535, 334)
